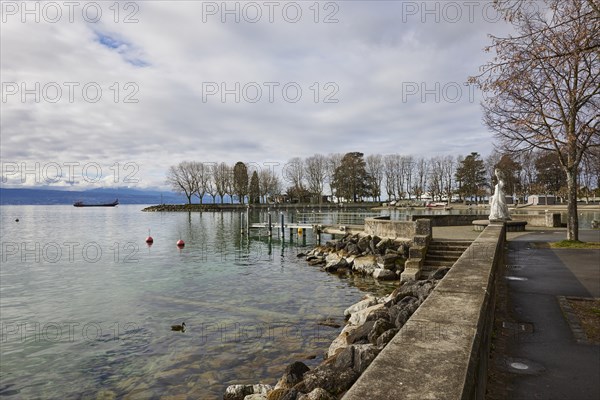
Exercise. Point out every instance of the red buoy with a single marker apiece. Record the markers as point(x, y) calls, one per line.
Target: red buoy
point(180, 243)
point(149, 240)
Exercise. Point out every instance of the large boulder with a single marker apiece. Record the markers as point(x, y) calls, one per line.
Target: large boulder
point(329, 377)
point(357, 357)
point(316, 394)
point(360, 317)
point(361, 334)
point(379, 327)
point(363, 243)
point(340, 342)
point(292, 376)
point(239, 392)
point(368, 301)
point(384, 274)
point(365, 265)
point(386, 337)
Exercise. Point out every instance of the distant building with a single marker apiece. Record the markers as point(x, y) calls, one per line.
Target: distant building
point(541, 200)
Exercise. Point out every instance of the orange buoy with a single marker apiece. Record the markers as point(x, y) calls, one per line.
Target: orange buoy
point(180, 243)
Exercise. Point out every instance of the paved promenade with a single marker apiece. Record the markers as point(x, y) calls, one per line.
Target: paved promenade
point(558, 367)
point(533, 334)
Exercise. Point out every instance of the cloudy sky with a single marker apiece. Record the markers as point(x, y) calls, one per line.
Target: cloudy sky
point(140, 86)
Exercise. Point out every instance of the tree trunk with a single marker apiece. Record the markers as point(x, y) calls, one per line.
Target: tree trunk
point(572, 218)
point(189, 199)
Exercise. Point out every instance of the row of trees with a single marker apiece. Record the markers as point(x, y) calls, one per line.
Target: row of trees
point(353, 177)
point(198, 179)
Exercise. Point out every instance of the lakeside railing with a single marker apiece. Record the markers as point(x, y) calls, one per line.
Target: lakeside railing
point(338, 218)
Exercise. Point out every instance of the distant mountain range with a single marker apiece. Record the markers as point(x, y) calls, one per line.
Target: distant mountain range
point(100, 195)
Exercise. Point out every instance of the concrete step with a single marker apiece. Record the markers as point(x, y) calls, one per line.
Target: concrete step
point(440, 257)
point(450, 253)
point(438, 263)
point(446, 249)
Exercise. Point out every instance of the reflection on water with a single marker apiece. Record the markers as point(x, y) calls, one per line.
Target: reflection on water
point(86, 305)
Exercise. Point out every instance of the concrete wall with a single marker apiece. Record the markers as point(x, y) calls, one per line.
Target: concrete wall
point(450, 220)
point(397, 229)
point(442, 351)
point(550, 220)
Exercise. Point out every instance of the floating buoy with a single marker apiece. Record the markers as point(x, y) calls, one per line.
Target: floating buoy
point(17, 220)
point(300, 231)
point(180, 243)
point(149, 239)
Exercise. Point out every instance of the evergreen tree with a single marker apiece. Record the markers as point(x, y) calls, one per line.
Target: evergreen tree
point(254, 190)
point(240, 181)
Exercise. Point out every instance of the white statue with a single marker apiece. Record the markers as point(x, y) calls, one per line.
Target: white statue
point(499, 209)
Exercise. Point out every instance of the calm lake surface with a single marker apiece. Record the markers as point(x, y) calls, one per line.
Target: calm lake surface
point(86, 306)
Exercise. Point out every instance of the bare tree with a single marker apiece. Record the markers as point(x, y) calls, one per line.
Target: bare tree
point(408, 167)
point(375, 169)
point(422, 170)
point(436, 178)
point(293, 173)
point(449, 170)
point(543, 89)
point(221, 178)
point(390, 170)
point(182, 180)
point(269, 184)
point(201, 175)
point(211, 187)
point(315, 168)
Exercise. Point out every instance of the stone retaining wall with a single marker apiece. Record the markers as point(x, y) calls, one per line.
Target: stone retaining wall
point(450, 220)
point(397, 229)
point(442, 351)
point(550, 220)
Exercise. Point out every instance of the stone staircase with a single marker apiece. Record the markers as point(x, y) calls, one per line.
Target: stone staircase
point(443, 253)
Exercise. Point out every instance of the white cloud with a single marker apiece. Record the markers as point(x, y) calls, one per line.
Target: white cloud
point(371, 56)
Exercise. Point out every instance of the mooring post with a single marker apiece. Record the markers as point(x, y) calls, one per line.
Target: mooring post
point(242, 222)
point(291, 229)
point(318, 230)
point(282, 226)
point(270, 226)
point(248, 220)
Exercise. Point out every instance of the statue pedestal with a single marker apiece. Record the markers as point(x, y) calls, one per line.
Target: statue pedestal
point(511, 226)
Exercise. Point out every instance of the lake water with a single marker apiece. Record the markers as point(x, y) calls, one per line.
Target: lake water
point(87, 306)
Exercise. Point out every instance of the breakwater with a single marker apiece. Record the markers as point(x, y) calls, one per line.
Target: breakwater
point(244, 207)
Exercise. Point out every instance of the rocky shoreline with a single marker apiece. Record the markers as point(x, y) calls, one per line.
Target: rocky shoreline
point(370, 324)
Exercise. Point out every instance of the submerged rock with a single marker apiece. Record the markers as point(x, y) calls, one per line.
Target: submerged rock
point(239, 392)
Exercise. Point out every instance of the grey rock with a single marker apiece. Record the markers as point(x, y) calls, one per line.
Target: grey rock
point(292, 376)
point(384, 274)
point(326, 376)
point(386, 336)
point(237, 392)
point(352, 249)
point(439, 273)
point(368, 301)
point(360, 335)
point(256, 396)
point(380, 326)
point(317, 394)
point(363, 243)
